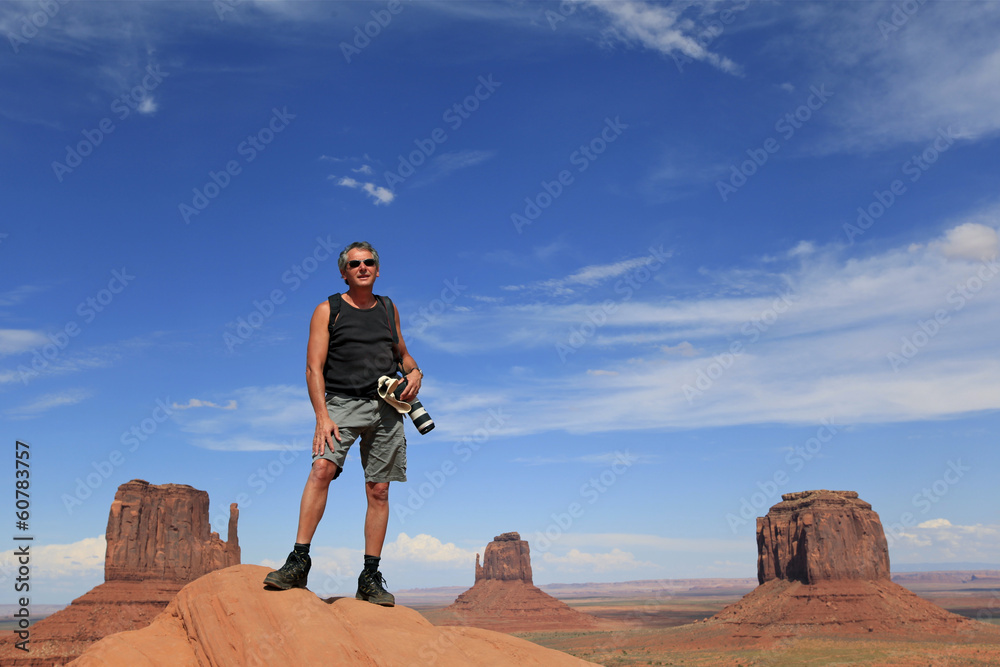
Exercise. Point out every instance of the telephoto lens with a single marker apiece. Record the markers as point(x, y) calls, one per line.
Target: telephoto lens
point(421, 419)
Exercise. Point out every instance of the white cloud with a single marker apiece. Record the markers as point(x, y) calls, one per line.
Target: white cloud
point(47, 402)
point(364, 169)
point(198, 403)
point(940, 541)
point(588, 276)
point(446, 163)
point(16, 341)
point(579, 561)
point(971, 241)
point(837, 341)
point(660, 28)
point(273, 418)
point(684, 349)
point(803, 248)
point(78, 559)
point(148, 106)
point(378, 193)
point(427, 549)
point(939, 69)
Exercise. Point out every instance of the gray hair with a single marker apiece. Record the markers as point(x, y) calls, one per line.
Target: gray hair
point(363, 245)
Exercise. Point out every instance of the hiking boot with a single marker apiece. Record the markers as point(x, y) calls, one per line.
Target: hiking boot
point(293, 574)
point(371, 587)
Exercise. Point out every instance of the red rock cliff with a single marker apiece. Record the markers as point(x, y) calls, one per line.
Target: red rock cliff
point(814, 536)
point(506, 558)
point(163, 532)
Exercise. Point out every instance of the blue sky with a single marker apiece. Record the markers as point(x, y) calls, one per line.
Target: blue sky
point(661, 262)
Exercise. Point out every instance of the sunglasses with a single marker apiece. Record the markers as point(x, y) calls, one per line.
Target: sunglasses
point(355, 263)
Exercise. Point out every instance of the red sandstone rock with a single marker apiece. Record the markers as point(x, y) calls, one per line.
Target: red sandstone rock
point(228, 618)
point(506, 558)
point(157, 541)
point(163, 532)
point(503, 597)
point(823, 566)
point(814, 536)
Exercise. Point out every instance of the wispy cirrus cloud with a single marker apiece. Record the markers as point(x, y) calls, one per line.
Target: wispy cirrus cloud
point(658, 27)
point(46, 402)
point(588, 276)
point(835, 337)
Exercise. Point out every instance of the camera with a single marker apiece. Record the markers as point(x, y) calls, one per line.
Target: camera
point(421, 419)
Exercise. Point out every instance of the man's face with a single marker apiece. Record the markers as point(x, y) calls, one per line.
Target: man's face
point(362, 275)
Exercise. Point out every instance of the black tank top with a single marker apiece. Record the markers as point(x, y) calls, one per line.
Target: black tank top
point(360, 351)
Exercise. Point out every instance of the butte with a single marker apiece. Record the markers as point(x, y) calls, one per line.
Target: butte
point(823, 571)
point(504, 598)
point(158, 540)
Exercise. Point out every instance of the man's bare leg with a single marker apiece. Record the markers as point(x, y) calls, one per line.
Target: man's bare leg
point(314, 499)
point(377, 517)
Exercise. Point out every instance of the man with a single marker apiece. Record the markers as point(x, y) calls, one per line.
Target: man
point(344, 360)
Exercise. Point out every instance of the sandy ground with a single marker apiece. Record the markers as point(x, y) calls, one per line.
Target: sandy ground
point(651, 632)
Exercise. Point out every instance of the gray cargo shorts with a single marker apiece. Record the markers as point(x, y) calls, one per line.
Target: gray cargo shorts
point(383, 442)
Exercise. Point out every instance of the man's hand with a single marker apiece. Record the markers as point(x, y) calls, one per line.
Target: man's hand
point(325, 428)
point(412, 386)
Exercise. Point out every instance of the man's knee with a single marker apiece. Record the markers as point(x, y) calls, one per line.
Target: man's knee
point(378, 491)
point(323, 471)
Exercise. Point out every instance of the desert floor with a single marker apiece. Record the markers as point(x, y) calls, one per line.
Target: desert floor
point(645, 635)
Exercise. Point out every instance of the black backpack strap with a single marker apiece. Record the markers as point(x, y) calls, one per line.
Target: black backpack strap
point(334, 300)
point(390, 313)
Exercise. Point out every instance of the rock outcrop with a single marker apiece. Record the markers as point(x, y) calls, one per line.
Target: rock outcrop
point(228, 618)
point(503, 596)
point(506, 558)
point(163, 532)
point(814, 536)
point(158, 540)
point(823, 568)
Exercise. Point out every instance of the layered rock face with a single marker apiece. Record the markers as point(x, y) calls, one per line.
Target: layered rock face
point(823, 568)
point(163, 532)
point(814, 536)
point(504, 598)
point(228, 618)
point(506, 558)
point(158, 540)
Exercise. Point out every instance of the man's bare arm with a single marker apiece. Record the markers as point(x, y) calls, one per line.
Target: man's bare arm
point(316, 352)
point(413, 374)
